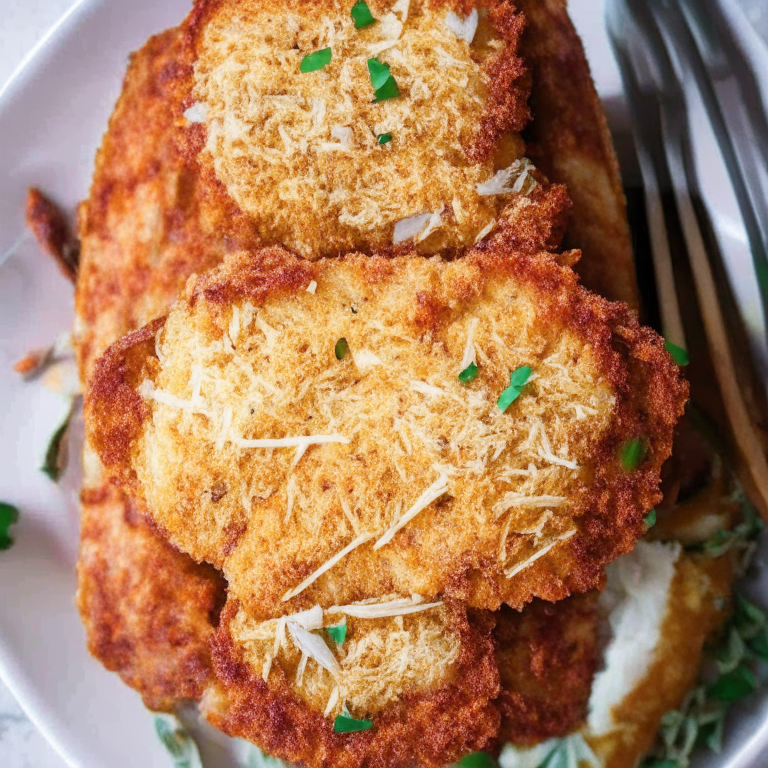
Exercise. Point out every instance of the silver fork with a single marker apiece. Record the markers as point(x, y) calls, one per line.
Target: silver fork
point(661, 129)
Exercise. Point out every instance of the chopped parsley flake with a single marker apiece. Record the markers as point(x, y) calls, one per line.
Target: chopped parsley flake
point(650, 519)
point(385, 138)
point(517, 380)
point(341, 348)
point(734, 685)
point(361, 15)
point(679, 355)
point(477, 760)
point(9, 515)
point(317, 60)
point(379, 73)
point(468, 374)
point(632, 453)
point(338, 632)
point(345, 723)
point(384, 85)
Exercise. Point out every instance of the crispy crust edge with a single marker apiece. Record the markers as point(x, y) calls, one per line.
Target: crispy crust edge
point(428, 729)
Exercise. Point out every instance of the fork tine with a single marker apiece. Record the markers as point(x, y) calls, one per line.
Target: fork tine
point(644, 109)
point(677, 160)
point(670, 19)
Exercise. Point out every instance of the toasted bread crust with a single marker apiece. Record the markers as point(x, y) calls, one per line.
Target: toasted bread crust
point(649, 397)
point(430, 729)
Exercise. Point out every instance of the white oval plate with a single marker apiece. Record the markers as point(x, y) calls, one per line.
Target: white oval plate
point(52, 116)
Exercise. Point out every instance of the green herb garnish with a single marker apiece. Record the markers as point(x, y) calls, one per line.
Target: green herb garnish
point(341, 348)
point(679, 355)
point(734, 685)
point(385, 138)
point(568, 752)
point(9, 515)
point(338, 632)
point(384, 85)
point(653, 762)
point(632, 453)
point(317, 60)
point(56, 454)
point(517, 380)
point(180, 745)
point(379, 73)
point(650, 519)
point(468, 374)
point(477, 760)
point(345, 723)
point(361, 15)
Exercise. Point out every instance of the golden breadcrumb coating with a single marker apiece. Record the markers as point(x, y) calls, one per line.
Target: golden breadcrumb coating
point(149, 610)
point(569, 141)
point(431, 727)
point(415, 480)
point(380, 660)
point(299, 152)
point(547, 656)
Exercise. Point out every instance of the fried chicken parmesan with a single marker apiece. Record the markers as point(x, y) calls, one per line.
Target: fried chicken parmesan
point(285, 416)
point(129, 274)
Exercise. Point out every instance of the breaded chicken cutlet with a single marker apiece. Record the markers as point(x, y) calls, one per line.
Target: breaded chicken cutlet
point(425, 684)
point(183, 232)
point(287, 414)
point(408, 136)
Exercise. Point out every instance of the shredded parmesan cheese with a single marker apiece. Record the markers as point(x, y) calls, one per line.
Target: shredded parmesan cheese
point(373, 610)
point(327, 566)
point(290, 442)
point(464, 29)
point(197, 112)
point(435, 491)
point(470, 356)
point(543, 551)
point(314, 647)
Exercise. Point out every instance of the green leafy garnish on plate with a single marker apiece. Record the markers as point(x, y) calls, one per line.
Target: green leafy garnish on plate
point(517, 380)
point(385, 138)
point(650, 519)
point(345, 723)
point(9, 515)
point(341, 348)
point(180, 745)
point(477, 760)
point(338, 632)
point(361, 15)
point(734, 685)
point(568, 752)
point(56, 455)
point(468, 374)
point(317, 60)
point(679, 355)
point(632, 453)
